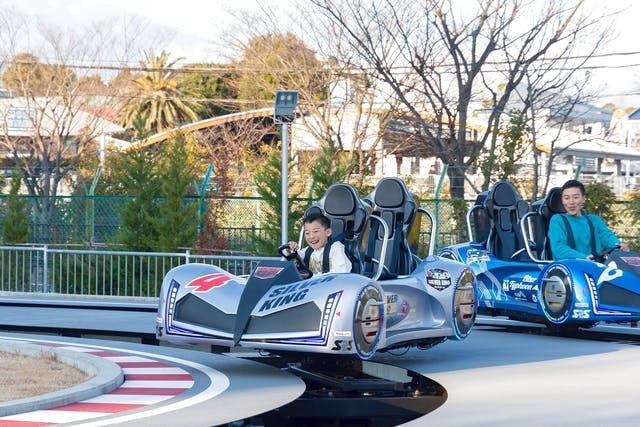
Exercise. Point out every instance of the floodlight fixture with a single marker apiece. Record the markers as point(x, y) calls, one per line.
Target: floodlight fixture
point(285, 106)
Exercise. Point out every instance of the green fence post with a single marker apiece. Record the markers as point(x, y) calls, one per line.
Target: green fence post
point(201, 191)
point(437, 196)
point(577, 172)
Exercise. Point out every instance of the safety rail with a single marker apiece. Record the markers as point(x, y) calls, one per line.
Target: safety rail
point(43, 269)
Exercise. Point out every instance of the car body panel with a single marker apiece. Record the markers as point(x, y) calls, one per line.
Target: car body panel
point(599, 292)
point(274, 309)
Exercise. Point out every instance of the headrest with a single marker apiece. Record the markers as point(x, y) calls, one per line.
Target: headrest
point(390, 193)
point(504, 193)
point(313, 210)
point(342, 205)
point(340, 199)
point(481, 197)
point(554, 200)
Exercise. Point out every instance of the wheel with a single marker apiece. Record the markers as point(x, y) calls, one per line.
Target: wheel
point(464, 305)
point(368, 321)
point(556, 294)
point(604, 255)
point(285, 253)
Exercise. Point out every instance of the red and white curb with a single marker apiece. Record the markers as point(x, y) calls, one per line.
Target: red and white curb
point(147, 381)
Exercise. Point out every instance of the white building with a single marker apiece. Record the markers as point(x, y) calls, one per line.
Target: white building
point(44, 122)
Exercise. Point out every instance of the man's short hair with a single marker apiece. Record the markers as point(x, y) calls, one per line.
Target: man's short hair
point(573, 183)
point(317, 216)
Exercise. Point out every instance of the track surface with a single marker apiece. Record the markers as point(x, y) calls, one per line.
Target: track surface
point(493, 378)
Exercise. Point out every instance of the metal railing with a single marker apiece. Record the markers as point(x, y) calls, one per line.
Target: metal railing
point(101, 273)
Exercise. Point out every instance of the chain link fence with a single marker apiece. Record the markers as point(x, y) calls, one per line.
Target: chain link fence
point(92, 221)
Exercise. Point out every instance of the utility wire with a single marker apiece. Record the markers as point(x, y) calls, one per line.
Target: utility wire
point(231, 68)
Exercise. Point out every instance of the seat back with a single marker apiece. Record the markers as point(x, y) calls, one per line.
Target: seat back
point(391, 201)
point(550, 205)
point(478, 221)
point(342, 205)
point(505, 207)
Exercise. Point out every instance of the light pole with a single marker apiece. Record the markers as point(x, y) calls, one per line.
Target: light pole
point(283, 114)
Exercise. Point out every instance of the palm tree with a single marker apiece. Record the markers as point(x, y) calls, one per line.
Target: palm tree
point(157, 101)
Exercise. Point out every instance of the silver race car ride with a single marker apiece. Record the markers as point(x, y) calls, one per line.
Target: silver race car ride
point(391, 299)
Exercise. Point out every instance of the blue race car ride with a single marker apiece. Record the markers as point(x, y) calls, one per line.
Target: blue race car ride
point(391, 299)
point(510, 255)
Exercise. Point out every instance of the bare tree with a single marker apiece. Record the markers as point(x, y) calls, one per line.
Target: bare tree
point(551, 110)
point(232, 148)
point(56, 111)
point(438, 55)
point(341, 107)
point(360, 107)
point(547, 91)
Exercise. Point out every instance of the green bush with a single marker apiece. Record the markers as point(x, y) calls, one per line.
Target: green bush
point(600, 201)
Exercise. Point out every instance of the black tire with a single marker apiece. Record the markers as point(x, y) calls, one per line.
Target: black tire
point(368, 321)
point(555, 295)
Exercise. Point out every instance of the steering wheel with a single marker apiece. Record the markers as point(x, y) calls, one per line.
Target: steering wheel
point(602, 256)
point(285, 252)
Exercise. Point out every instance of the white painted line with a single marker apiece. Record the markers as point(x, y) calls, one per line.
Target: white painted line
point(131, 399)
point(218, 384)
point(157, 384)
point(78, 349)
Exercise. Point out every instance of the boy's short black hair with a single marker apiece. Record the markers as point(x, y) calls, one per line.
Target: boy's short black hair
point(317, 216)
point(573, 183)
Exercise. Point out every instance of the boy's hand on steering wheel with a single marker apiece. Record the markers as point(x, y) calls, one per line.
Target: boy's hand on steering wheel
point(293, 246)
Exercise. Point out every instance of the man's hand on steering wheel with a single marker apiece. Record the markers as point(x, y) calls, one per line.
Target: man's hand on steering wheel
point(602, 256)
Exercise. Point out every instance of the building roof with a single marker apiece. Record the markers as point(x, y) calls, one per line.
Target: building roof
point(22, 116)
point(575, 144)
point(635, 115)
point(583, 113)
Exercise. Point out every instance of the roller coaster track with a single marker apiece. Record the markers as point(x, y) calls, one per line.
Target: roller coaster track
point(202, 124)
